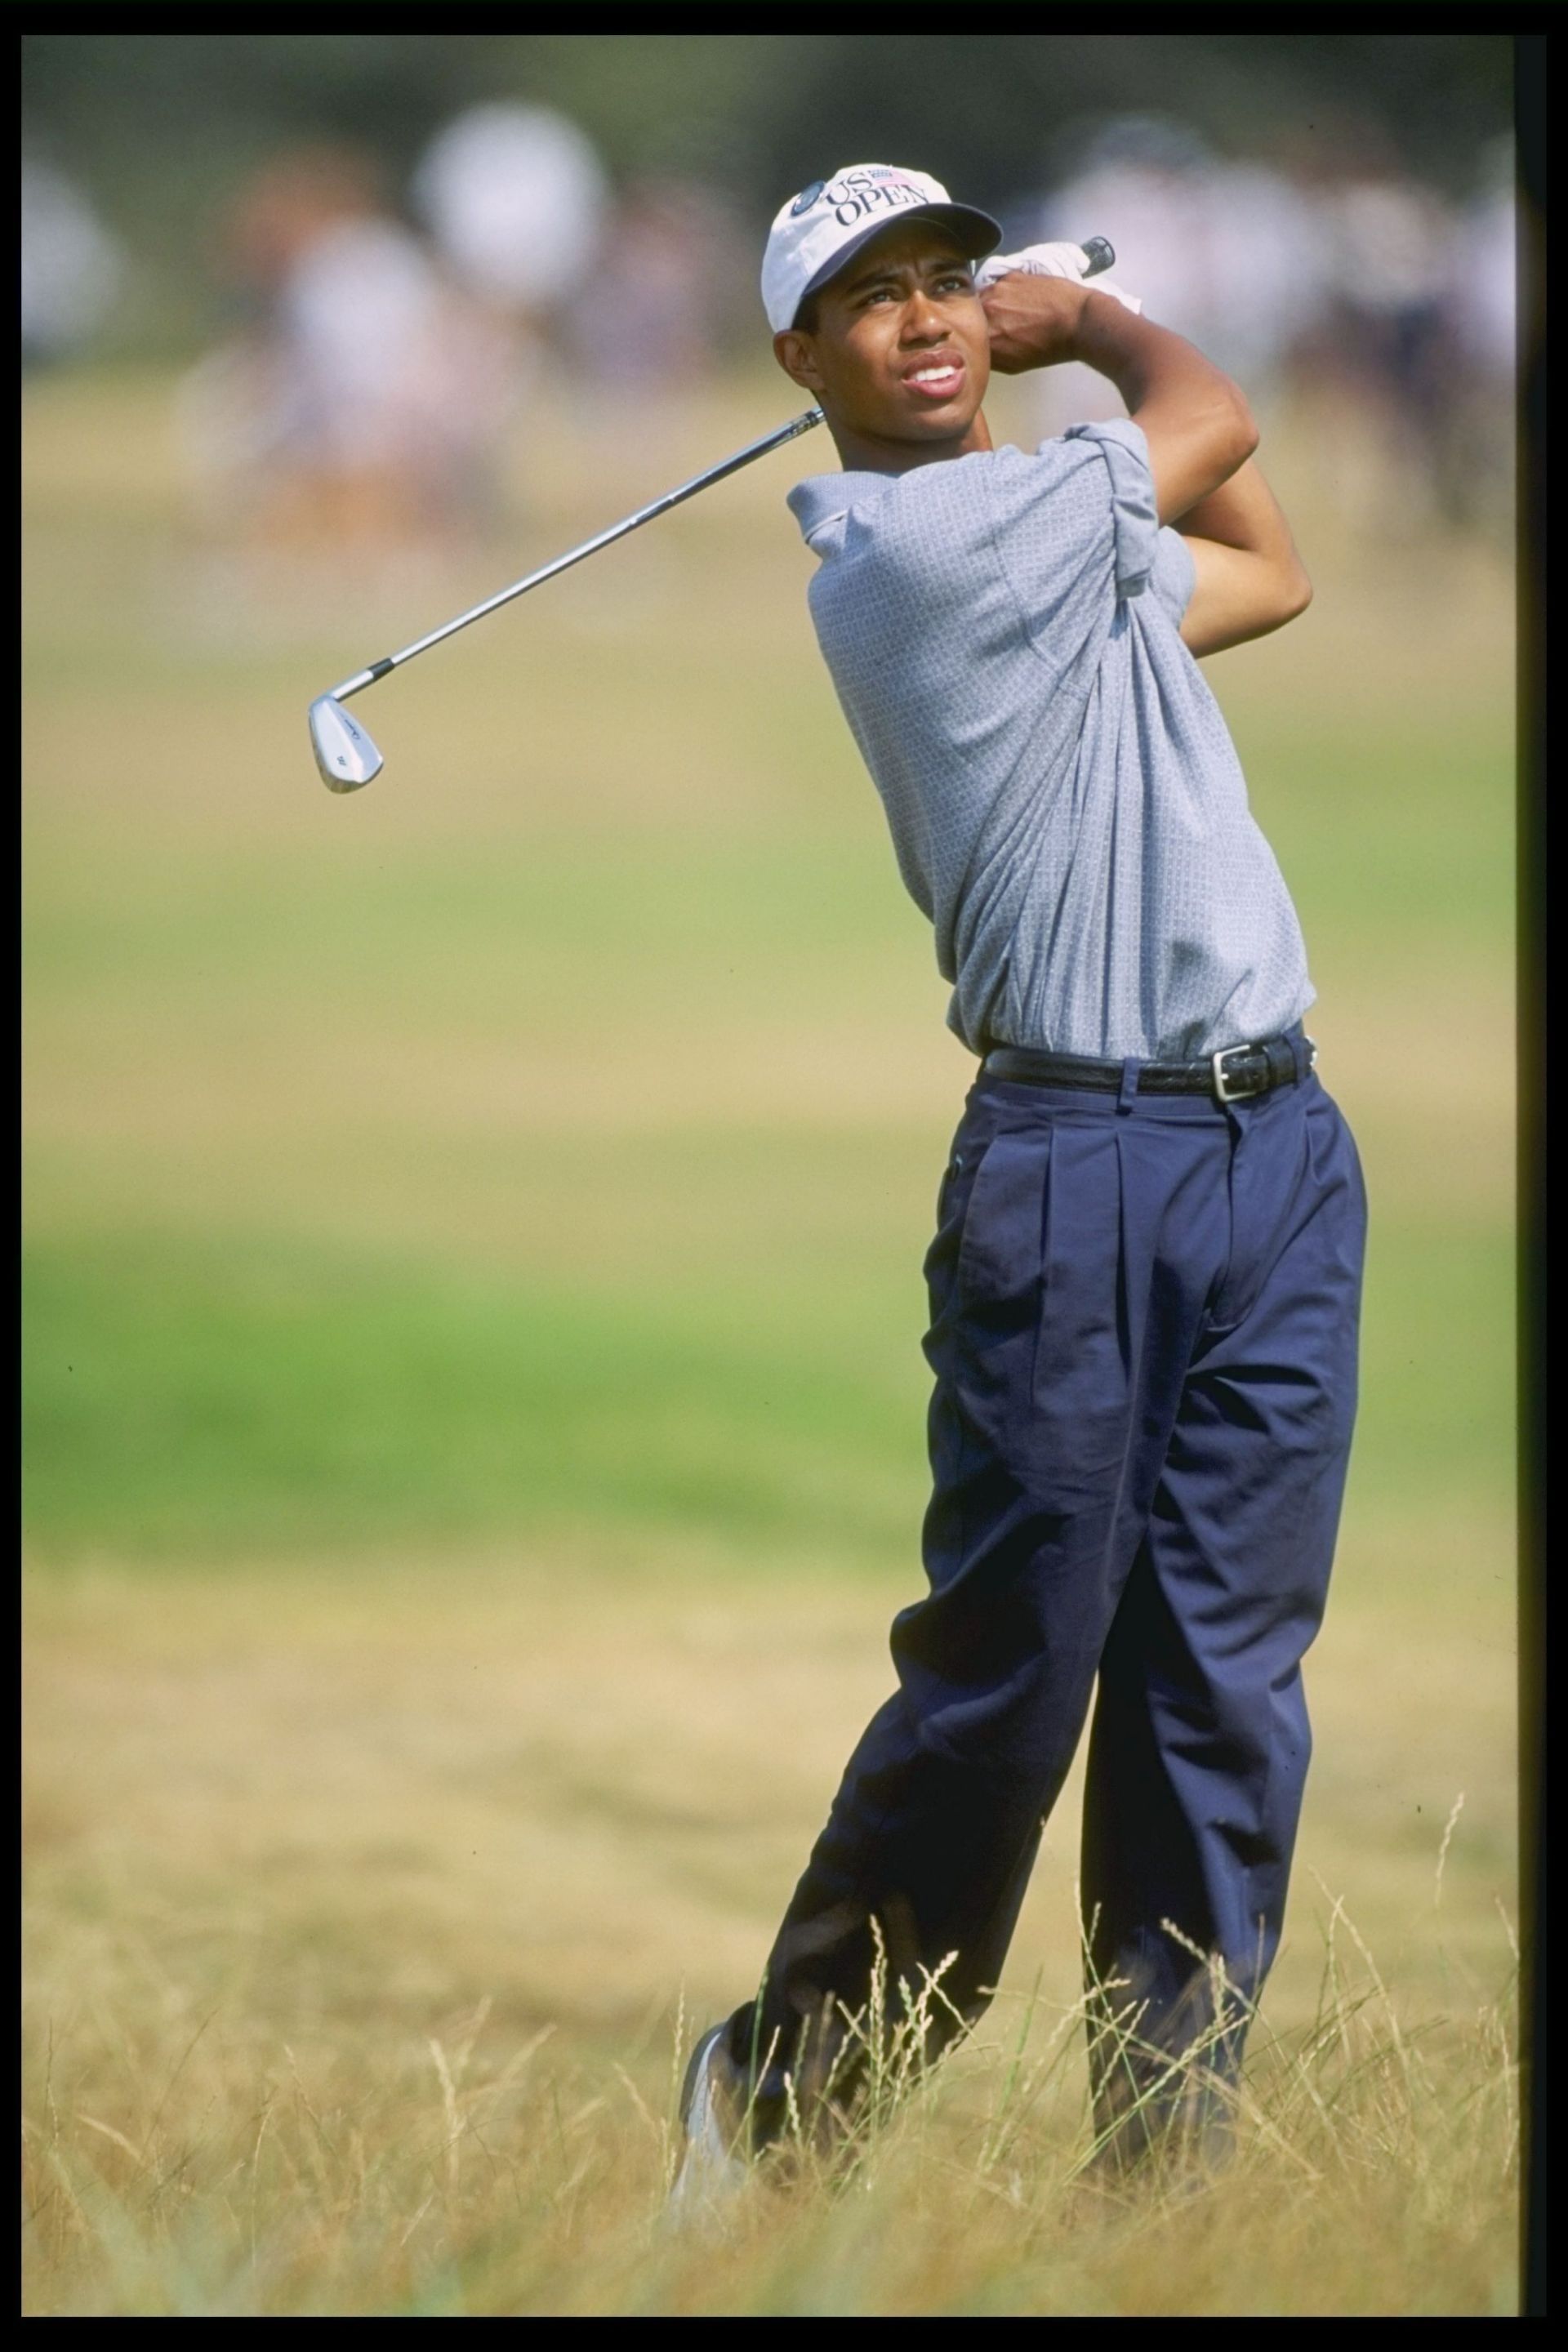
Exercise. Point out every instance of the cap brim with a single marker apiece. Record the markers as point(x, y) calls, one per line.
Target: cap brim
point(977, 232)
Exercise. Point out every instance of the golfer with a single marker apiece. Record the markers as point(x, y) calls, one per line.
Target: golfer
point(1145, 1280)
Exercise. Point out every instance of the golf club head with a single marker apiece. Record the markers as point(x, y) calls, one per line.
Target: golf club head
point(344, 753)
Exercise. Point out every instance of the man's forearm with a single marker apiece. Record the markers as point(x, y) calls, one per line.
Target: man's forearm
point(1144, 360)
point(1194, 418)
point(1198, 427)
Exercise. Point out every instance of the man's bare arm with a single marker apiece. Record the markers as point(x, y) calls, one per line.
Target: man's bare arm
point(1201, 437)
point(1249, 579)
point(1196, 423)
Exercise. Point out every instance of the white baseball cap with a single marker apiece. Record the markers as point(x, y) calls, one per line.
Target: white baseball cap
point(817, 231)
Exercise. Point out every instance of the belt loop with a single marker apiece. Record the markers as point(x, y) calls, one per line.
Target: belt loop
point(1301, 1053)
point(1127, 1092)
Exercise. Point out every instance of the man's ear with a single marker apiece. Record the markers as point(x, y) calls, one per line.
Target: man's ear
point(794, 353)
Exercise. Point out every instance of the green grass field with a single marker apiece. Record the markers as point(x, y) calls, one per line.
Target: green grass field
point(474, 1401)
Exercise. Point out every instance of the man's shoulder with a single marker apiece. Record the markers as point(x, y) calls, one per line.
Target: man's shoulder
point(958, 499)
point(990, 473)
point(986, 493)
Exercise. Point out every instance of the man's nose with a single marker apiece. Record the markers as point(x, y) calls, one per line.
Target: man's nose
point(922, 322)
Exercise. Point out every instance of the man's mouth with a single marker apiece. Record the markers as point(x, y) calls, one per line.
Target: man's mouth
point(936, 379)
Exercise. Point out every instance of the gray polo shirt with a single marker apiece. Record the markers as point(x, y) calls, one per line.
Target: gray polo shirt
point(1065, 800)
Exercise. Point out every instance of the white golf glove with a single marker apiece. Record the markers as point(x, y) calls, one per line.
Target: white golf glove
point(1050, 261)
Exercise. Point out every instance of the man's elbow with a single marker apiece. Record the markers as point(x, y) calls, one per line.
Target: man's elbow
point(1295, 594)
point(1232, 433)
point(1244, 433)
point(1283, 596)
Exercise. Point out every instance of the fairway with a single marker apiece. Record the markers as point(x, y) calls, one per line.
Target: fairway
point(475, 1413)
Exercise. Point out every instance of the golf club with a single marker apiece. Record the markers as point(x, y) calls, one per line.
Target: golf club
point(345, 756)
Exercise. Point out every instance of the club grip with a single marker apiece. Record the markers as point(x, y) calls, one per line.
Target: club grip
point(1099, 255)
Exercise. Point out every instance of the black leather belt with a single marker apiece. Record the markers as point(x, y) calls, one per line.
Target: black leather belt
point(1232, 1075)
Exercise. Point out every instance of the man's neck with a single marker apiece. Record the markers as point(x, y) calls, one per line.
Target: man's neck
point(860, 453)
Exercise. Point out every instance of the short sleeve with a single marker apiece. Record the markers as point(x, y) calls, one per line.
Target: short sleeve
point(1174, 575)
point(1070, 530)
point(1135, 524)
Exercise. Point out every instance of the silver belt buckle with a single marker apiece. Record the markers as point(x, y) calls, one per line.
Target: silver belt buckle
point(1225, 1093)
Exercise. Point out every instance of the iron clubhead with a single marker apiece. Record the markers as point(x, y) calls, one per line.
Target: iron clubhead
point(344, 753)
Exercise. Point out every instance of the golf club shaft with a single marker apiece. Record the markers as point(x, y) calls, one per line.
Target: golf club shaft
point(754, 450)
point(1098, 256)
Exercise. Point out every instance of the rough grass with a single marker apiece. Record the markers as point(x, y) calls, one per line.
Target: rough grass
point(301, 1838)
point(211, 2171)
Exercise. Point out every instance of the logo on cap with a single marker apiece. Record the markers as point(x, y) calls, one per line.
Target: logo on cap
point(807, 198)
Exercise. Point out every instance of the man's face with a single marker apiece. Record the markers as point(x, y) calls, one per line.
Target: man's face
point(899, 350)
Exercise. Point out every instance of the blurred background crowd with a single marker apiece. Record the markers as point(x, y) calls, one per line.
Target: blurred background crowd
point(377, 258)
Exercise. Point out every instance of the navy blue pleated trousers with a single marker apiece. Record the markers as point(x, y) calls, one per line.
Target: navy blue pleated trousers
point(1143, 1333)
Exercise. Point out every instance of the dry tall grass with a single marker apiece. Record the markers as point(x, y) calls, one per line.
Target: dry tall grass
point(204, 2174)
point(357, 1907)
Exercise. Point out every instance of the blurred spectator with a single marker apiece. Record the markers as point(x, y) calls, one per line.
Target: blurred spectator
point(365, 400)
point(1330, 274)
point(71, 268)
point(1381, 350)
point(515, 198)
point(672, 272)
point(516, 202)
point(1482, 269)
point(1477, 477)
point(1227, 254)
